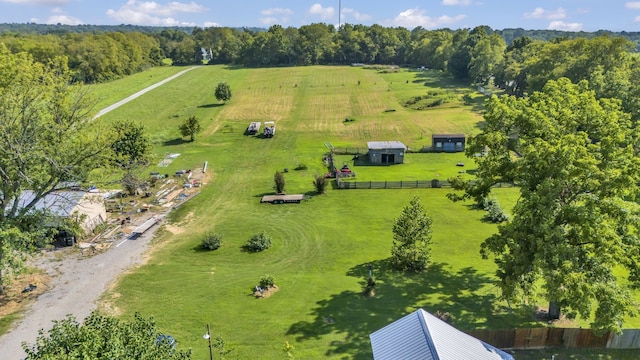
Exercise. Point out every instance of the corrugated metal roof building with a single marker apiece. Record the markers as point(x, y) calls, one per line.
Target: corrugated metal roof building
point(423, 336)
point(386, 152)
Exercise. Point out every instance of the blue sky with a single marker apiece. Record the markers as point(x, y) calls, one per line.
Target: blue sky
point(572, 15)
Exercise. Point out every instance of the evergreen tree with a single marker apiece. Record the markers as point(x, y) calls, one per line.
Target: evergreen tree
point(411, 238)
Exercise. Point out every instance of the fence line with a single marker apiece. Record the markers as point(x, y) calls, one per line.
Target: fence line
point(365, 150)
point(558, 337)
point(403, 184)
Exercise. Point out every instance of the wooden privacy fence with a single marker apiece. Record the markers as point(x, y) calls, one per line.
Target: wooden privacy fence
point(557, 337)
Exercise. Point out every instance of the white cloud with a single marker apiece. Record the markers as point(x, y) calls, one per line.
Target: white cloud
point(540, 13)
point(276, 11)
point(456, 2)
point(269, 20)
point(636, 19)
point(209, 24)
point(152, 13)
point(561, 25)
point(632, 5)
point(416, 17)
point(275, 16)
point(358, 16)
point(63, 19)
point(39, 2)
point(323, 12)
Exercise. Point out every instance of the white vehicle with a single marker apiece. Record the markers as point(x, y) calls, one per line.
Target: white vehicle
point(269, 129)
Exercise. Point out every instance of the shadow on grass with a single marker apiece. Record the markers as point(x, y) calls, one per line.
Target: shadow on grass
point(176, 141)
point(465, 294)
point(207, 106)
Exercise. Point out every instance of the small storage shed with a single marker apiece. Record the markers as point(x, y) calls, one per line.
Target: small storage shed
point(448, 142)
point(386, 152)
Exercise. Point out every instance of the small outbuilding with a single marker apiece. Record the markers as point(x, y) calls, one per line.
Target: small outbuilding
point(386, 152)
point(448, 142)
point(86, 207)
point(422, 336)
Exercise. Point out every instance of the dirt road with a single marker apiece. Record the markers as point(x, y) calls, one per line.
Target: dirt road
point(78, 282)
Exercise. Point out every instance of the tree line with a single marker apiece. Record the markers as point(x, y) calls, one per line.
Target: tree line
point(520, 61)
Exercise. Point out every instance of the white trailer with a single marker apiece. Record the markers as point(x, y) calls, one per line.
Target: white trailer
point(269, 129)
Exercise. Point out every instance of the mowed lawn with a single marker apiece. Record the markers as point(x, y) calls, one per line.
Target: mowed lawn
point(322, 248)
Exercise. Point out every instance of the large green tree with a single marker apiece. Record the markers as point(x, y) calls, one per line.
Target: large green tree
point(131, 145)
point(575, 226)
point(190, 127)
point(48, 141)
point(103, 337)
point(412, 238)
point(223, 92)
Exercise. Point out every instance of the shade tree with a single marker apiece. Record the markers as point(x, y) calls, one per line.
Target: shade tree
point(575, 224)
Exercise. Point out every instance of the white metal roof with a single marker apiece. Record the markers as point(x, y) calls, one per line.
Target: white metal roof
point(60, 203)
point(376, 145)
point(423, 336)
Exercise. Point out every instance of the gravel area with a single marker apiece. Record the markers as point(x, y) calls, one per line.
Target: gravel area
point(77, 284)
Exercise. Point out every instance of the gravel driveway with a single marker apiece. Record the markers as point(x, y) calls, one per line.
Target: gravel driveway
point(78, 282)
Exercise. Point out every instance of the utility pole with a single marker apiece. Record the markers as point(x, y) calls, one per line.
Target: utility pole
point(207, 336)
point(339, 13)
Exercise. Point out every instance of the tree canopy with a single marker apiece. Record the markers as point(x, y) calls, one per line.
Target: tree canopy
point(190, 127)
point(576, 221)
point(223, 92)
point(102, 337)
point(130, 144)
point(48, 142)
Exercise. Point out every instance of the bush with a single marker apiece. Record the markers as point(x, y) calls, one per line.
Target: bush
point(301, 166)
point(279, 182)
point(495, 214)
point(320, 184)
point(267, 281)
point(211, 242)
point(259, 242)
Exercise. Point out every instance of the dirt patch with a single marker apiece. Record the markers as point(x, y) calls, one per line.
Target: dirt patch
point(179, 228)
point(265, 293)
point(174, 229)
point(542, 314)
point(14, 298)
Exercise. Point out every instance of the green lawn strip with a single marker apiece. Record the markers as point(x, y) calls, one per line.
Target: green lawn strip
point(7, 321)
point(416, 166)
point(111, 92)
point(322, 247)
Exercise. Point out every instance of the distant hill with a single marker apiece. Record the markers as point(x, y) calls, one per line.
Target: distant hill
point(547, 35)
point(62, 29)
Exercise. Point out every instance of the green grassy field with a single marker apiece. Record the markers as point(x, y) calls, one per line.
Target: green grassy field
point(322, 247)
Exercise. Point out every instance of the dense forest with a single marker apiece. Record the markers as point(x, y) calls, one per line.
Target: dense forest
point(519, 61)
